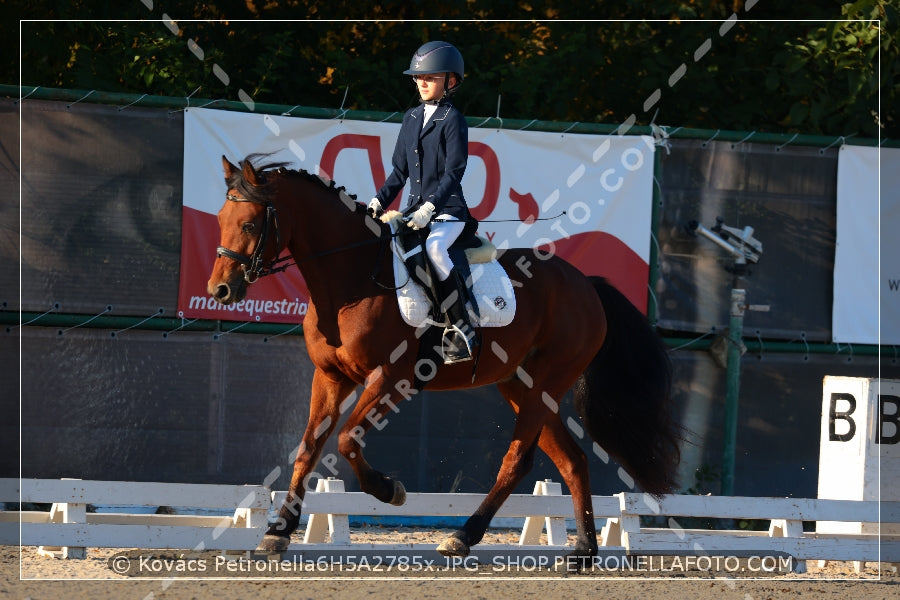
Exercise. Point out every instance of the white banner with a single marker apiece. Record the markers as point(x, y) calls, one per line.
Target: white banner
point(602, 184)
point(867, 256)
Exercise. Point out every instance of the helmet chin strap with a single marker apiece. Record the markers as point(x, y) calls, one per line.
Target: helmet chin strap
point(451, 90)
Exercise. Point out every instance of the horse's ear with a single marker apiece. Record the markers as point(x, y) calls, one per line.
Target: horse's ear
point(230, 169)
point(250, 175)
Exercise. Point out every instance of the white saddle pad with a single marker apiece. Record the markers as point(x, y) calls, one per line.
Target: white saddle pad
point(492, 287)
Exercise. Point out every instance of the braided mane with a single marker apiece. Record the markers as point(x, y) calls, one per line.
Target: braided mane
point(260, 193)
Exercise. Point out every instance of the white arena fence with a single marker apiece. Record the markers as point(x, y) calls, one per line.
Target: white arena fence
point(68, 529)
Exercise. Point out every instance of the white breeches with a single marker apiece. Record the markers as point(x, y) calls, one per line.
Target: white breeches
point(443, 234)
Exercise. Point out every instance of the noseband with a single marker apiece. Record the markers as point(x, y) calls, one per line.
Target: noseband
point(253, 265)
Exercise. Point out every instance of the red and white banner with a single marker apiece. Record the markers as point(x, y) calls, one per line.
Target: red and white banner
point(866, 307)
point(602, 184)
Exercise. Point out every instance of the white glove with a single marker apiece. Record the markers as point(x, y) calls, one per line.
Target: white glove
point(422, 216)
point(375, 209)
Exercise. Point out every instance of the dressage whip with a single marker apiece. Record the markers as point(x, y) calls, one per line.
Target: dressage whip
point(526, 221)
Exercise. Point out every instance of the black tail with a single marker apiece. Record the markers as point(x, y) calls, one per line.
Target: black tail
point(623, 397)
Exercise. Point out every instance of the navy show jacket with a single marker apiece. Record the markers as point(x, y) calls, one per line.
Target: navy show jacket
point(433, 159)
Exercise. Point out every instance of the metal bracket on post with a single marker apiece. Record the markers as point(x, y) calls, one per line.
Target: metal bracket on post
point(740, 243)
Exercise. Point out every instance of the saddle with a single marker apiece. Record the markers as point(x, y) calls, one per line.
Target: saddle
point(411, 243)
point(491, 301)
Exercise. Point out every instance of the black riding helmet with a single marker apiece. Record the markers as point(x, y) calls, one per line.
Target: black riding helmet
point(437, 57)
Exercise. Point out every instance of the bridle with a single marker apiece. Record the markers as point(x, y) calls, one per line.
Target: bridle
point(253, 265)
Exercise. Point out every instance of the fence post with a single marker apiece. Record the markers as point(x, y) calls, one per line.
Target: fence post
point(319, 525)
point(250, 518)
point(556, 526)
point(611, 534)
point(64, 512)
point(788, 528)
point(628, 523)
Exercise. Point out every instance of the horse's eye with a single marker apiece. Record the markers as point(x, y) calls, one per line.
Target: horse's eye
point(248, 227)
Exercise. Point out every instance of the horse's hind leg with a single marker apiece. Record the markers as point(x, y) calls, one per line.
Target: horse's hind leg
point(532, 413)
point(373, 409)
point(324, 411)
point(572, 463)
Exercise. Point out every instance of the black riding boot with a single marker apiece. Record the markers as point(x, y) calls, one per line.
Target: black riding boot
point(459, 336)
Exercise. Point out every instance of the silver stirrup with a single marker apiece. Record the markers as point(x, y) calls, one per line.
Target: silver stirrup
point(448, 346)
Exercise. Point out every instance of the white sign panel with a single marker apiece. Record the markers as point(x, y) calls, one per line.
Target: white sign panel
point(866, 306)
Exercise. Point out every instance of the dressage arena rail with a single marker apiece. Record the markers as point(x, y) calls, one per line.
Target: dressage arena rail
point(68, 528)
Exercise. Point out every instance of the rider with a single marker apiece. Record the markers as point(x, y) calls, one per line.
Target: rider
point(432, 151)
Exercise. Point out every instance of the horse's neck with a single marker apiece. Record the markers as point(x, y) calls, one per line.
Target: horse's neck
point(333, 246)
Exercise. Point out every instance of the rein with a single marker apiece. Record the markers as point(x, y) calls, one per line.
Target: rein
point(254, 268)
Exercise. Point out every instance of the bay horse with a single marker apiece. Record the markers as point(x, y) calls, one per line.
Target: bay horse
point(569, 331)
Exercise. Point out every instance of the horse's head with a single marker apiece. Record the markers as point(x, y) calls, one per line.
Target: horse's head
point(250, 241)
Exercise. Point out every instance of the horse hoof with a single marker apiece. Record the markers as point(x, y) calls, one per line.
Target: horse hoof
point(273, 544)
point(578, 561)
point(399, 497)
point(453, 546)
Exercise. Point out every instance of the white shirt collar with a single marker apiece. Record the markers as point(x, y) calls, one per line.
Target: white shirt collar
point(429, 111)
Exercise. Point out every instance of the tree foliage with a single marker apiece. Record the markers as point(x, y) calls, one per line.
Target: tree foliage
point(804, 67)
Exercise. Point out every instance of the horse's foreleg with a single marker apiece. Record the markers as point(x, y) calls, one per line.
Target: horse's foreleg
point(572, 463)
point(324, 411)
point(516, 464)
point(373, 410)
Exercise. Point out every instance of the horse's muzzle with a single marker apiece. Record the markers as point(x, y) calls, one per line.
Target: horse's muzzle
point(227, 293)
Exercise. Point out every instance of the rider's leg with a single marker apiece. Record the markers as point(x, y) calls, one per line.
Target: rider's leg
point(444, 231)
point(451, 289)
